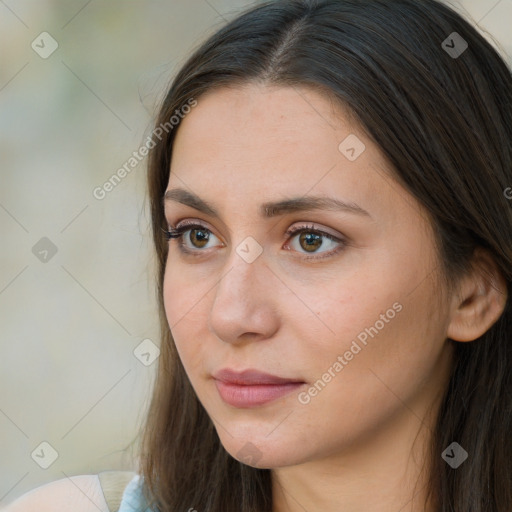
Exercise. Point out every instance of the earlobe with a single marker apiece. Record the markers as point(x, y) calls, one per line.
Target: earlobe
point(480, 301)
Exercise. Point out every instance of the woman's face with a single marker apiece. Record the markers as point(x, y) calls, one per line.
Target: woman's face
point(357, 322)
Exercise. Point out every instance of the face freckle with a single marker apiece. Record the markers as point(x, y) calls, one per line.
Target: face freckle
point(288, 316)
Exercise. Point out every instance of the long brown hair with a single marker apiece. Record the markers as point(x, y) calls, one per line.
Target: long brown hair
point(444, 121)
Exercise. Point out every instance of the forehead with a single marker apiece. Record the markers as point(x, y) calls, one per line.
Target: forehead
point(268, 120)
point(257, 143)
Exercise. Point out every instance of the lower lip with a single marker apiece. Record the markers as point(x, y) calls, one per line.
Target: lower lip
point(254, 395)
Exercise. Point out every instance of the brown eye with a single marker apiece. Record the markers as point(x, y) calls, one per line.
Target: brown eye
point(193, 238)
point(198, 237)
point(310, 241)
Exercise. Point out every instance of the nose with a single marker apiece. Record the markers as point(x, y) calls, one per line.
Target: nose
point(245, 304)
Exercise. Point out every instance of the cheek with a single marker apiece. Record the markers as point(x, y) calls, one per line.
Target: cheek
point(184, 308)
point(337, 313)
point(376, 325)
point(396, 372)
point(390, 353)
point(184, 291)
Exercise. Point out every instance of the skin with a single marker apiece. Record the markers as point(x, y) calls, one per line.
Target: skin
point(358, 444)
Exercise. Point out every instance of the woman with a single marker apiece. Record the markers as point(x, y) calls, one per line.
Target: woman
point(334, 241)
point(403, 111)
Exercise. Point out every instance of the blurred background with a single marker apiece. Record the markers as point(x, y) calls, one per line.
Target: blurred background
point(79, 84)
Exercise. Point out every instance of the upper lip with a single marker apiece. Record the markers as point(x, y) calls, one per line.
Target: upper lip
point(250, 377)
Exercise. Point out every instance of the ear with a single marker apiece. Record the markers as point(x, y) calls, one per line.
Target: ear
point(480, 300)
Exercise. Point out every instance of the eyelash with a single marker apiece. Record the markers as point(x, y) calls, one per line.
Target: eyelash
point(178, 233)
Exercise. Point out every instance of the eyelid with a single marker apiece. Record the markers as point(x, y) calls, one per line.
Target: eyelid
point(289, 232)
point(312, 227)
point(192, 223)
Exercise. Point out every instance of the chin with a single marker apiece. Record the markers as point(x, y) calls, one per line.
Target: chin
point(258, 451)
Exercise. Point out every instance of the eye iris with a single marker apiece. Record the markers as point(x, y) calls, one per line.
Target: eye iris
point(310, 239)
point(202, 236)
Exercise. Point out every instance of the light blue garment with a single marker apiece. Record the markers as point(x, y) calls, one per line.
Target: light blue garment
point(133, 499)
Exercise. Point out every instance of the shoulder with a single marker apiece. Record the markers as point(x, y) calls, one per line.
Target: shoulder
point(82, 493)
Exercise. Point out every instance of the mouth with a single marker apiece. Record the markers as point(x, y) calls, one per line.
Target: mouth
point(252, 388)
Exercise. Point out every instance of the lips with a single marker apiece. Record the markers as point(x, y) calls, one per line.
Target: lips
point(251, 388)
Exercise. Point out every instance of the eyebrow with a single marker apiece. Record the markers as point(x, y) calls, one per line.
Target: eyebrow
point(269, 209)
